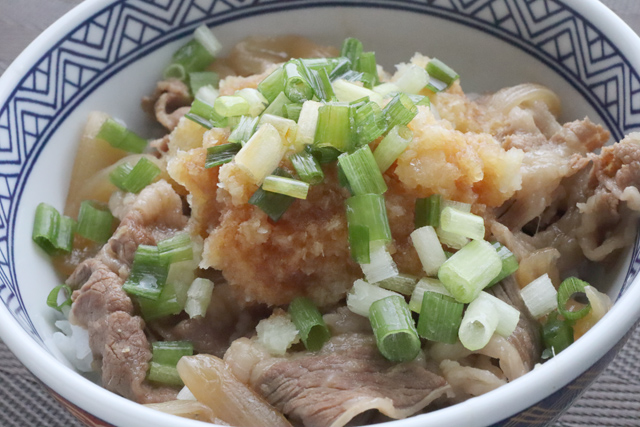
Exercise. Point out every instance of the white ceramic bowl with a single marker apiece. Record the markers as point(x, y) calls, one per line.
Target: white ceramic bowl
point(107, 54)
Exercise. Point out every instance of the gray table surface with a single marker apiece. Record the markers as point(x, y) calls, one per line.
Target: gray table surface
point(613, 400)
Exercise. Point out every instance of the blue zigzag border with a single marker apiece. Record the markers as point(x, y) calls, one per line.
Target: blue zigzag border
point(174, 17)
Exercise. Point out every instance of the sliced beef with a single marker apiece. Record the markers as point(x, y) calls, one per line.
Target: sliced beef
point(169, 102)
point(156, 214)
point(348, 377)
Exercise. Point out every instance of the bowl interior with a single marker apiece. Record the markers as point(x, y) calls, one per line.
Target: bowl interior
point(111, 54)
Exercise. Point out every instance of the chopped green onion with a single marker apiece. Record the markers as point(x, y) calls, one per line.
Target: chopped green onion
point(208, 94)
point(148, 273)
point(426, 284)
point(420, 100)
point(334, 128)
point(192, 56)
point(257, 102)
point(359, 243)
point(95, 221)
point(292, 111)
point(460, 206)
point(509, 262)
point(221, 154)
point(206, 38)
point(198, 297)
point(462, 223)
point(393, 327)
point(231, 106)
point(540, 296)
point(351, 49)
point(200, 79)
point(361, 170)
point(287, 186)
point(311, 327)
point(441, 71)
point(164, 374)
point(175, 71)
point(425, 241)
point(365, 79)
point(381, 265)
point(307, 167)
point(296, 84)
point(177, 248)
point(244, 130)
point(470, 270)
point(427, 211)
point(136, 178)
point(273, 204)
point(170, 352)
point(556, 334)
point(567, 288)
point(277, 333)
point(119, 136)
point(399, 111)
point(262, 153)
point(369, 210)
point(452, 240)
point(54, 296)
point(391, 146)
point(319, 81)
point(119, 174)
point(272, 85)
point(367, 64)
point(387, 90)
point(307, 122)
point(277, 106)
point(348, 92)
point(370, 123)
point(440, 318)
point(508, 316)
point(199, 120)
point(51, 231)
point(478, 324)
point(363, 294)
point(166, 304)
point(287, 128)
point(402, 283)
point(205, 114)
point(324, 155)
point(411, 79)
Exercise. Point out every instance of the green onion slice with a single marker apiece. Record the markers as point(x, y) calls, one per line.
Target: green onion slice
point(54, 297)
point(287, 186)
point(463, 223)
point(177, 248)
point(221, 154)
point(362, 171)
point(307, 167)
point(272, 85)
point(334, 128)
point(427, 211)
point(394, 329)
point(148, 273)
point(440, 318)
point(478, 324)
point(425, 241)
point(426, 284)
point(170, 352)
point(95, 221)
point(402, 283)
point(351, 49)
point(198, 297)
point(556, 334)
point(370, 123)
point(399, 111)
point(441, 71)
point(567, 288)
point(119, 136)
point(164, 374)
point(137, 177)
point(199, 79)
point(166, 304)
point(392, 146)
point(51, 231)
point(509, 262)
point(193, 56)
point(370, 211)
point(359, 243)
point(273, 204)
point(244, 130)
point(231, 106)
point(307, 318)
point(296, 84)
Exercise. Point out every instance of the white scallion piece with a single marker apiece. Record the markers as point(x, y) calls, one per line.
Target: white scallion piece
point(426, 284)
point(262, 153)
point(363, 294)
point(508, 316)
point(463, 223)
point(348, 92)
point(470, 270)
point(286, 127)
point(479, 322)
point(208, 94)
point(277, 333)
point(381, 266)
point(540, 296)
point(411, 78)
point(209, 41)
point(198, 297)
point(453, 240)
point(463, 207)
point(385, 89)
point(429, 249)
point(392, 146)
point(307, 123)
point(402, 283)
point(257, 101)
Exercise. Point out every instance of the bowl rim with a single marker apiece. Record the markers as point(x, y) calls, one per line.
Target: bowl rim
point(516, 395)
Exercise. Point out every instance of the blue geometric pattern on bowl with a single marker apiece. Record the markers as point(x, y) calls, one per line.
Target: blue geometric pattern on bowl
point(129, 29)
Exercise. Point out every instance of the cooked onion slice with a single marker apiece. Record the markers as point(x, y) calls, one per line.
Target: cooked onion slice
point(508, 98)
point(213, 384)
